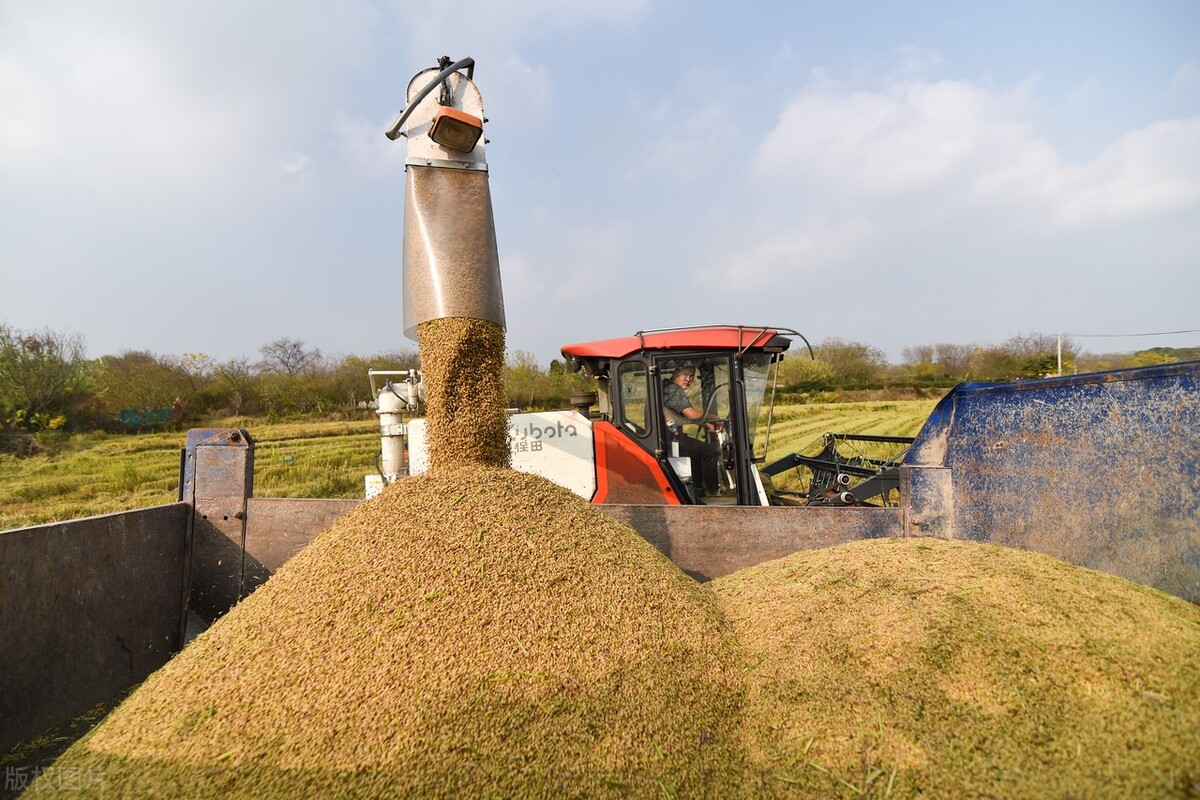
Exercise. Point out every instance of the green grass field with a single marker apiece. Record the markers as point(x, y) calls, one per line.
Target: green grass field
point(101, 473)
point(799, 428)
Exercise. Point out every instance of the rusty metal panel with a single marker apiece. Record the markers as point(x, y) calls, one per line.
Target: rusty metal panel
point(705, 541)
point(277, 528)
point(711, 541)
point(88, 608)
point(1100, 470)
point(218, 476)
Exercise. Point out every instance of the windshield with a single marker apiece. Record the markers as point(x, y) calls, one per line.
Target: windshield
point(755, 369)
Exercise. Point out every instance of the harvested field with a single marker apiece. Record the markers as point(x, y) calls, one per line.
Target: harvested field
point(472, 632)
point(931, 668)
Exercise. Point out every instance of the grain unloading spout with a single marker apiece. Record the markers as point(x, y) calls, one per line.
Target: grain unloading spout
point(453, 306)
point(451, 263)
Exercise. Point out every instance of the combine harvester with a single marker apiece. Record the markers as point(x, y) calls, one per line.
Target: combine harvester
point(633, 448)
point(1099, 470)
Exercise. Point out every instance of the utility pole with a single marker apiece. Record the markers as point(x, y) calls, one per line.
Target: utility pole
point(1060, 355)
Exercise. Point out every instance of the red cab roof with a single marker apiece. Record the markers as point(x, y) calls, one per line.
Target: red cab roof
point(710, 337)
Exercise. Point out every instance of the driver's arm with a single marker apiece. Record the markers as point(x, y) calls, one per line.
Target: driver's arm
point(676, 400)
point(694, 414)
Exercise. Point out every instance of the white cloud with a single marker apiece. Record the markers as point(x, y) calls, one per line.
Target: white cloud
point(243, 142)
point(1145, 172)
point(103, 100)
point(130, 101)
point(526, 96)
point(925, 191)
point(963, 143)
point(871, 143)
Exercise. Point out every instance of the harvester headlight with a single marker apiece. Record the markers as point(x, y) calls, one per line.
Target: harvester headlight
point(456, 130)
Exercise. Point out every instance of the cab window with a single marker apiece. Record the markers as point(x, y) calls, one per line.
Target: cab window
point(707, 390)
point(633, 385)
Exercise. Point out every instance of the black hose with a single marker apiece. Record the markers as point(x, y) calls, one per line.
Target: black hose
point(469, 63)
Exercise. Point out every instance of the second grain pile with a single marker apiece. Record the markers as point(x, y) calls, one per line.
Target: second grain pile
point(933, 668)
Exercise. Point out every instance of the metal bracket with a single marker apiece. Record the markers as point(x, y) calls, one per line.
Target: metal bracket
point(478, 166)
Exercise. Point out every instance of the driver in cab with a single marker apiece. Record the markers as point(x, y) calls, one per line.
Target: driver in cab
point(703, 454)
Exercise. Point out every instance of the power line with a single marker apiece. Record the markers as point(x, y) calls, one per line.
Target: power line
point(1126, 335)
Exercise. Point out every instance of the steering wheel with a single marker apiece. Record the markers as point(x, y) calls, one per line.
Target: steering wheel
point(708, 407)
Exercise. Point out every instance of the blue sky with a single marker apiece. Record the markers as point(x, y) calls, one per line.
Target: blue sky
point(207, 177)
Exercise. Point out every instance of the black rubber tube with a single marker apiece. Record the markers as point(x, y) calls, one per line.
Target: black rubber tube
point(469, 63)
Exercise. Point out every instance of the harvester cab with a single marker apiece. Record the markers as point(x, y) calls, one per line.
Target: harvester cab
point(678, 412)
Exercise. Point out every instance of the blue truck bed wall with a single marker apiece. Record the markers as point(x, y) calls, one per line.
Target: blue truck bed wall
point(1100, 470)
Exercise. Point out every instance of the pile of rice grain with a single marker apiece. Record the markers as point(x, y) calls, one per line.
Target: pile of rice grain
point(472, 632)
point(930, 668)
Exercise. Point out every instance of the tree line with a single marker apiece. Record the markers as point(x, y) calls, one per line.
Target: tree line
point(48, 383)
point(841, 364)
